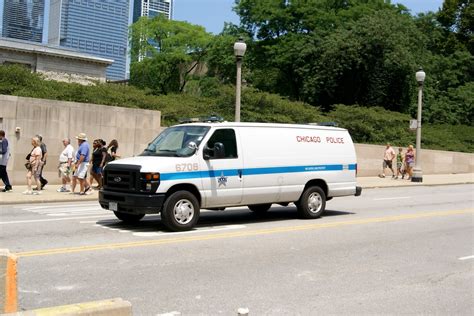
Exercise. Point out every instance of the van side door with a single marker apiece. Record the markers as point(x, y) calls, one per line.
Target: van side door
point(222, 172)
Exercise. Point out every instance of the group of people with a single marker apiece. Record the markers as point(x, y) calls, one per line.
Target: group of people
point(405, 162)
point(73, 165)
point(83, 161)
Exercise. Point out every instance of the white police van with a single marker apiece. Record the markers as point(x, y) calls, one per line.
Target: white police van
point(214, 165)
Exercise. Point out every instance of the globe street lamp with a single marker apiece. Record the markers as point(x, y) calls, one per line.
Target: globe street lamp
point(417, 174)
point(239, 52)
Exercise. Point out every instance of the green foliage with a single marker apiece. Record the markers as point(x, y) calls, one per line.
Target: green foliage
point(165, 52)
point(207, 96)
point(374, 125)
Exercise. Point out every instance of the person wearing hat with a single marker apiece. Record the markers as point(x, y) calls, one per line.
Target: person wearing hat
point(82, 165)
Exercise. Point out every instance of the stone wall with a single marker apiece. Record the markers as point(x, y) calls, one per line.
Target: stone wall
point(370, 158)
point(55, 120)
point(135, 128)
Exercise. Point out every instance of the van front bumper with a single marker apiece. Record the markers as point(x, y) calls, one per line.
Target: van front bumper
point(131, 203)
point(358, 191)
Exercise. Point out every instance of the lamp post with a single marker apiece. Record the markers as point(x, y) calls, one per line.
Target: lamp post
point(239, 52)
point(417, 173)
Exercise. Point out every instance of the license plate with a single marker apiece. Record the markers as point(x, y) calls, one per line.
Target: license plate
point(113, 206)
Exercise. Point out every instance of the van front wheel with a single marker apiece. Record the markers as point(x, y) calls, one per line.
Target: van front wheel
point(311, 203)
point(180, 211)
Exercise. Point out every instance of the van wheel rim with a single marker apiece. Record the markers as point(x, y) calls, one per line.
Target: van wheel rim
point(315, 202)
point(183, 212)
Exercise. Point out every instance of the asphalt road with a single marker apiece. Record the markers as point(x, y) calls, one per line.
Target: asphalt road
point(397, 250)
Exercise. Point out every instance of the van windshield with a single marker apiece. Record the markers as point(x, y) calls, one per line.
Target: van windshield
point(175, 141)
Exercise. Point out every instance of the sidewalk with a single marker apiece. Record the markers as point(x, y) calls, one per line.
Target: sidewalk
point(50, 195)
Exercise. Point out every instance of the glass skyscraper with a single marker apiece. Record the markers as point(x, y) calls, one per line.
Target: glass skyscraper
point(152, 8)
point(24, 20)
point(97, 27)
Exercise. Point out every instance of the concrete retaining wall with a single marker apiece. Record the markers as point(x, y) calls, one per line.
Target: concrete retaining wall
point(134, 128)
point(55, 120)
point(370, 158)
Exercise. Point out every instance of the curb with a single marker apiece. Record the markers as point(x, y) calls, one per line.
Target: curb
point(414, 185)
point(115, 306)
point(8, 277)
point(89, 199)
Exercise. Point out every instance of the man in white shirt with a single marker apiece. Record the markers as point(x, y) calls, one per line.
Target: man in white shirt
point(65, 162)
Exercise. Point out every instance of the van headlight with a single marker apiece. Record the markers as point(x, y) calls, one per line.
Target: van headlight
point(149, 181)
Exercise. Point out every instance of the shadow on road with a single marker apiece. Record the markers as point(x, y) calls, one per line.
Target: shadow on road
point(216, 219)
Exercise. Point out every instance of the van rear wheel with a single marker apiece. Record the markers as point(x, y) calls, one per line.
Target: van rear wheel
point(180, 211)
point(312, 203)
point(129, 218)
point(260, 208)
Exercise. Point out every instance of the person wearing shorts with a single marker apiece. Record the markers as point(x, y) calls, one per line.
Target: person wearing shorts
point(388, 157)
point(400, 161)
point(33, 167)
point(409, 161)
point(82, 165)
point(65, 163)
point(98, 161)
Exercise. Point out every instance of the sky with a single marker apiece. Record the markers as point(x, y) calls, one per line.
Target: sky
point(213, 13)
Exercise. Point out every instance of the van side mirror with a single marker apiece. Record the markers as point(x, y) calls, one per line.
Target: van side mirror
point(218, 151)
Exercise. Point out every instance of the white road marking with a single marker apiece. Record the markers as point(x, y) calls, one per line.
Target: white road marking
point(52, 219)
point(56, 206)
point(466, 258)
point(393, 198)
point(198, 230)
point(67, 210)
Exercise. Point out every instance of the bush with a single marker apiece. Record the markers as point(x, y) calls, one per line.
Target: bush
point(205, 97)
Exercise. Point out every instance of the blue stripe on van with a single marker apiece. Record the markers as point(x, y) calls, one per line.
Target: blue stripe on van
point(253, 171)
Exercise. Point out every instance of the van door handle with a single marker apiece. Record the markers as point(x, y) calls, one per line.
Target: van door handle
point(240, 173)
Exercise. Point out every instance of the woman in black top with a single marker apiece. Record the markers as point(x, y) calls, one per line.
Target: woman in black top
point(98, 161)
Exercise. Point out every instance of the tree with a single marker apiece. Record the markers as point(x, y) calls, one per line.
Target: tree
point(165, 52)
point(332, 51)
point(458, 16)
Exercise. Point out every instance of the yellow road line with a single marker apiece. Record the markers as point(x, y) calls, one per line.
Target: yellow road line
point(256, 232)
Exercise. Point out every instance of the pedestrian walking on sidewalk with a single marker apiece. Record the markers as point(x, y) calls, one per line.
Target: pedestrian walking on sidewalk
point(388, 156)
point(98, 160)
point(113, 147)
point(4, 156)
point(64, 167)
point(33, 166)
point(400, 163)
point(44, 151)
point(409, 161)
point(82, 165)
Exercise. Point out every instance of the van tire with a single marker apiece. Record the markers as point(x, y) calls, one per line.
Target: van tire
point(312, 203)
point(260, 208)
point(180, 211)
point(129, 218)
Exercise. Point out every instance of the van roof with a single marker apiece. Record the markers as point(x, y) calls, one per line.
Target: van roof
point(272, 125)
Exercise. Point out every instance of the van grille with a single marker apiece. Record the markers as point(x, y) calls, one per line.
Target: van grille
point(122, 178)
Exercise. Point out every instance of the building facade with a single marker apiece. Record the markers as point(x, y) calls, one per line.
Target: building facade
point(24, 20)
point(151, 8)
point(97, 27)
